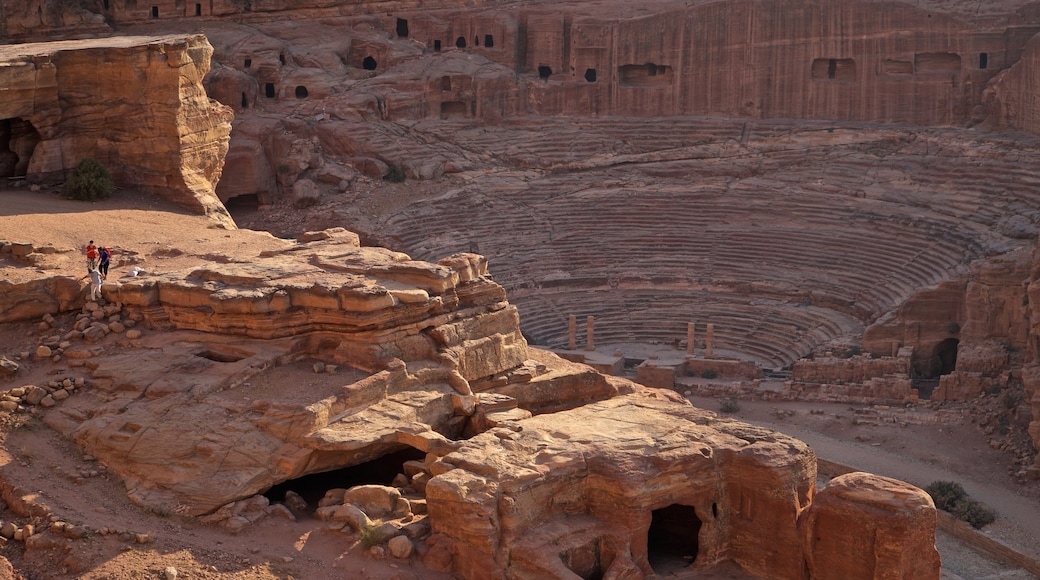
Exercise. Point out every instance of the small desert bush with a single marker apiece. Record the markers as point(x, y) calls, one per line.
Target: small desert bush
point(90, 181)
point(1010, 399)
point(950, 496)
point(368, 536)
point(729, 405)
point(973, 512)
point(945, 493)
point(709, 374)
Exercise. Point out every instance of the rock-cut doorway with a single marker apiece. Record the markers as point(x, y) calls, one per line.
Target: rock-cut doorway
point(672, 540)
point(18, 141)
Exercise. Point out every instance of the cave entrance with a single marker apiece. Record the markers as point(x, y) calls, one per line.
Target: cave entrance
point(380, 471)
point(946, 355)
point(672, 540)
point(368, 63)
point(242, 206)
point(402, 28)
point(928, 367)
point(18, 140)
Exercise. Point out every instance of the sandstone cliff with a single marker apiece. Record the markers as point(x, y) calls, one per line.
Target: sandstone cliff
point(143, 113)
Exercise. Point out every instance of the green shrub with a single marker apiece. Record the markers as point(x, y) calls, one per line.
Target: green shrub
point(369, 536)
point(395, 175)
point(1010, 399)
point(973, 512)
point(709, 374)
point(945, 494)
point(729, 405)
point(853, 351)
point(90, 181)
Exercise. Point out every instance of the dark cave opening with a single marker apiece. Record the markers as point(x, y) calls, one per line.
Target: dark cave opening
point(368, 63)
point(380, 471)
point(672, 540)
point(18, 141)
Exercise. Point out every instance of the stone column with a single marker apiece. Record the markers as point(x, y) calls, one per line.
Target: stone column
point(572, 326)
point(691, 335)
point(710, 337)
point(590, 344)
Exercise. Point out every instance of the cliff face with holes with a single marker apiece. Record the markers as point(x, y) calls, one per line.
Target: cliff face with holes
point(134, 103)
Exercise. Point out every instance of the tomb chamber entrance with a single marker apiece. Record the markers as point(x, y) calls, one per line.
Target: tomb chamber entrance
point(380, 471)
point(18, 140)
point(672, 540)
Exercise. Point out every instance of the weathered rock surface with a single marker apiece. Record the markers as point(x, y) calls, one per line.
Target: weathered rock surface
point(867, 526)
point(145, 115)
point(603, 484)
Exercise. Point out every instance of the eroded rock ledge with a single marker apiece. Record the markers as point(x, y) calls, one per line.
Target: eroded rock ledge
point(143, 113)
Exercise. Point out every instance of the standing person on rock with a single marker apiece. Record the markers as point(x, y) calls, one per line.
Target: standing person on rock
point(95, 284)
point(106, 259)
point(92, 256)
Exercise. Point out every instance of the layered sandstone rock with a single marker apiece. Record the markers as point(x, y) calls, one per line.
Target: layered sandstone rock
point(144, 114)
point(867, 526)
point(614, 488)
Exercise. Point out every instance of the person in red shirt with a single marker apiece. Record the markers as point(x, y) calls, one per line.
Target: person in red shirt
point(92, 256)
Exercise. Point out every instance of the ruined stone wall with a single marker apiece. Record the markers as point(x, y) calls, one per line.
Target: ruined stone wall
point(134, 103)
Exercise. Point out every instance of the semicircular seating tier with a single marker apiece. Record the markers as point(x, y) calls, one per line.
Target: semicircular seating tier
point(784, 235)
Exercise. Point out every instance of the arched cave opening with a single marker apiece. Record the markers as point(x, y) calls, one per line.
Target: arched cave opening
point(368, 63)
point(402, 28)
point(281, 57)
point(18, 141)
point(380, 471)
point(242, 205)
point(460, 42)
point(301, 92)
point(489, 41)
point(672, 540)
point(983, 60)
point(544, 72)
point(269, 90)
point(105, 4)
point(245, 101)
point(590, 75)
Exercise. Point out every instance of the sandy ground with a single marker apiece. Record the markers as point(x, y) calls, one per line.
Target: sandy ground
point(149, 234)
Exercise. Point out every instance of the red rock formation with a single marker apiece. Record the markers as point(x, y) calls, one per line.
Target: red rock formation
point(144, 114)
point(867, 526)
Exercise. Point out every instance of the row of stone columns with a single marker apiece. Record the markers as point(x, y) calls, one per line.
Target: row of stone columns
point(590, 343)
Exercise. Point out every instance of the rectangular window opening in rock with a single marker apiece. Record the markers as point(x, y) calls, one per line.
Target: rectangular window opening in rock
point(445, 83)
point(897, 67)
point(834, 69)
point(402, 28)
point(645, 75)
point(489, 41)
point(155, 11)
point(937, 62)
point(198, 9)
point(436, 46)
point(983, 60)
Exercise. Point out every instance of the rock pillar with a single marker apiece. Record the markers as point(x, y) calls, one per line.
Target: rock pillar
point(709, 348)
point(590, 344)
point(691, 335)
point(572, 325)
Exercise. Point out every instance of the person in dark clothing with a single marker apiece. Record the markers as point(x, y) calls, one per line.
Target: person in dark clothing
point(106, 259)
